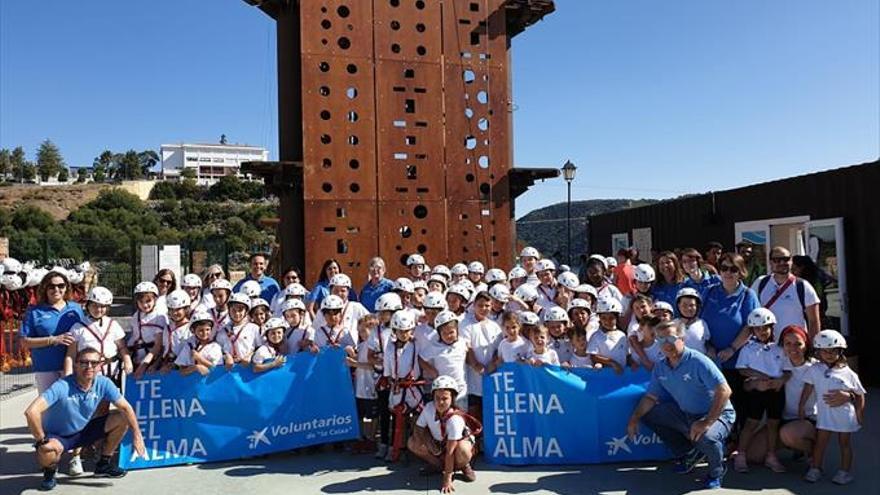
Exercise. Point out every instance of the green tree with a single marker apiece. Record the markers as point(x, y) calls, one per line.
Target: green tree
point(5, 162)
point(188, 173)
point(64, 175)
point(49, 160)
point(147, 159)
point(22, 169)
point(82, 174)
point(127, 166)
point(103, 165)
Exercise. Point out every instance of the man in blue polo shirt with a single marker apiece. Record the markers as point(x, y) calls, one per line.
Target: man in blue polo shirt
point(61, 419)
point(687, 405)
point(268, 285)
point(376, 285)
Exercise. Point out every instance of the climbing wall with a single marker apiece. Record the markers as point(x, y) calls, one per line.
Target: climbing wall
point(406, 127)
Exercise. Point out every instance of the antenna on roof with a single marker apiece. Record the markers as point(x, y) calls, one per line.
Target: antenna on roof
point(222, 138)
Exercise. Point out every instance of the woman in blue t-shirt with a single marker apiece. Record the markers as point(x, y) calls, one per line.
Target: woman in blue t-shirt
point(670, 278)
point(45, 328)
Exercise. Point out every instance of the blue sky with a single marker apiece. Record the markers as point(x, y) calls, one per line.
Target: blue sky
point(648, 98)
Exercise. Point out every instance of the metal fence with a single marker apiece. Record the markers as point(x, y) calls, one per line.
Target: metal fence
point(16, 371)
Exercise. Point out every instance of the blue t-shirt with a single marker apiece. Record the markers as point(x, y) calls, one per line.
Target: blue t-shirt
point(371, 293)
point(268, 286)
point(322, 290)
point(709, 280)
point(691, 384)
point(666, 292)
point(71, 408)
point(726, 314)
point(44, 320)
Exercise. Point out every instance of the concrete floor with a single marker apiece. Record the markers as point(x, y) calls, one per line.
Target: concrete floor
point(346, 473)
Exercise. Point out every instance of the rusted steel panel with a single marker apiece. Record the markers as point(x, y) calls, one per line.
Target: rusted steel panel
point(474, 32)
point(409, 110)
point(339, 129)
point(412, 227)
point(343, 230)
point(477, 231)
point(407, 30)
point(337, 27)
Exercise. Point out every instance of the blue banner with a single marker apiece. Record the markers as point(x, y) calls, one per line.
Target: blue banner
point(549, 415)
point(231, 415)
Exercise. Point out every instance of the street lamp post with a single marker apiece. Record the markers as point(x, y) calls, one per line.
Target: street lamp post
point(568, 171)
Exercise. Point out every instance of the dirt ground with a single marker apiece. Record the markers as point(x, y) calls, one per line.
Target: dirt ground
point(58, 201)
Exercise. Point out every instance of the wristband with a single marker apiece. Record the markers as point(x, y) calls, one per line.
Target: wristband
point(41, 442)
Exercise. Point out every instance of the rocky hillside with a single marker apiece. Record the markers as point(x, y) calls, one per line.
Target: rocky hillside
point(546, 228)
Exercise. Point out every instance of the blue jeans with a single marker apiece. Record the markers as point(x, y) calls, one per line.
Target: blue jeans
point(673, 426)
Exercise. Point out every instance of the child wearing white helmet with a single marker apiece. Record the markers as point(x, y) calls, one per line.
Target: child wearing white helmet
point(351, 311)
point(102, 333)
point(483, 336)
point(597, 276)
point(239, 338)
point(425, 335)
point(380, 336)
point(415, 266)
point(259, 313)
point(221, 291)
point(292, 291)
point(298, 334)
point(580, 314)
point(696, 332)
point(832, 375)
point(329, 328)
point(273, 353)
point(517, 276)
point(608, 346)
point(177, 329)
point(448, 355)
point(760, 360)
point(457, 298)
point(437, 283)
point(546, 269)
point(192, 284)
point(200, 352)
point(556, 321)
point(444, 436)
point(459, 273)
point(146, 328)
point(402, 371)
point(500, 295)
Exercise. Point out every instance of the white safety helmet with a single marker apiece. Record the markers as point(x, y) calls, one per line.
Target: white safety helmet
point(443, 318)
point(580, 303)
point(388, 301)
point(644, 273)
point(292, 304)
point(240, 298)
point(435, 300)
point(569, 280)
point(689, 292)
point(415, 259)
point(663, 305)
point(459, 269)
point(36, 276)
point(829, 339)
point(468, 284)
point(12, 281)
point(84, 267)
point(340, 280)
point(442, 270)
point(598, 258)
point(554, 313)
point(760, 317)
point(439, 279)
point(495, 275)
point(221, 284)
point(75, 277)
point(200, 315)
point(460, 290)
point(274, 322)
point(500, 293)
point(564, 268)
point(332, 302)
point(191, 280)
point(608, 305)
point(587, 289)
point(295, 289)
point(529, 252)
point(11, 265)
point(476, 267)
point(529, 318)
point(178, 299)
point(100, 295)
point(403, 320)
point(146, 287)
point(516, 273)
point(526, 292)
point(259, 301)
point(420, 284)
point(251, 288)
point(610, 261)
point(544, 265)
point(444, 382)
point(404, 284)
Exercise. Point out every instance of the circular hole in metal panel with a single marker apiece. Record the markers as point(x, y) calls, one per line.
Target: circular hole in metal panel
point(483, 124)
point(395, 48)
point(395, 25)
point(327, 187)
point(326, 163)
point(405, 232)
point(395, 3)
point(326, 139)
point(483, 97)
point(420, 211)
point(324, 91)
point(420, 27)
point(469, 112)
point(325, 115)
point(483, 161)
point(324, 67)
point(343, 11)
point(484, 188)
point(352, 116)
point(470, 142)
point(420, 4)
point(469, 177)
point(326, 24)
point(421, 50)
point(351, 68)
point(351, 93)
point(344, 43)
point(353, 140)
point(469, 76)
point(354, 187)
point(422, 249)
point(354, 164)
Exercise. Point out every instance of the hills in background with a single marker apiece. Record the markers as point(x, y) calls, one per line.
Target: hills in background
point(545, 228)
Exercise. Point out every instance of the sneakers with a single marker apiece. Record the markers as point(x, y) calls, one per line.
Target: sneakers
point(842, 478)
point(75, 467)
point(741, 463)
point(48, 482)
point(813, 475)
point(687, 463)
point(107, 470)
point(711, 483)
point(381, 451)
point(772, 462)
point(471, 476)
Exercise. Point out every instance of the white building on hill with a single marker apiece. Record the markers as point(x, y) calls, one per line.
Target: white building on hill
point(208, 161)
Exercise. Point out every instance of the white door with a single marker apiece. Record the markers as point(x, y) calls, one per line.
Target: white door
point(825, 246)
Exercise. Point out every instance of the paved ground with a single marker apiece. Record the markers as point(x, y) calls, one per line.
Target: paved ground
point(345, 473)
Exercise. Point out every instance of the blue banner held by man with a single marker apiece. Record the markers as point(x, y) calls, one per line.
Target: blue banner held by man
point(230, 415)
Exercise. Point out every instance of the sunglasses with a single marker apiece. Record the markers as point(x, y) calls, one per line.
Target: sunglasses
point(214, 275)
point(166, 281)
point(87, 363)
point(57, 286)
point(728, 268)
point(668, 339)
point(781, 259)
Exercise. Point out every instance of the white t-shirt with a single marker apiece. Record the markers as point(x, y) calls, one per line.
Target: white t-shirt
point(793, 388)
point(514, 352)
point(455, 425)
point(402, 363)
point(576, 361)
point(449, 360)
point(211, 351)
point(352, 312)
point(173, 337)
point(263, 354)
point(696, 334)
point(548, 357)
point(239, 341)
point(787, 307)
point(296, 337)
point(423, 336)
point(325, 337)
point(364, 379)
point(484, 339)
point(562, 346)
point(612, 345)
point(654, 352)
point(221, 319)
point(766, 358)
point(609, 290)
point(824, 379)
point(143, 332)
point(378, 341)
point(546, 296)
point(101, 337)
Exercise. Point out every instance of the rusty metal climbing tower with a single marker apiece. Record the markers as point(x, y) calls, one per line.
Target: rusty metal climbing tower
point(395, 130)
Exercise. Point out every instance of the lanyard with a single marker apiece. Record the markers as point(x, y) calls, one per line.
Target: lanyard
point(233, 338)
point(412, 365)
point(102, 338)
point(333, 341)
point(217, 317)
point(780, 290)
point(547, 294)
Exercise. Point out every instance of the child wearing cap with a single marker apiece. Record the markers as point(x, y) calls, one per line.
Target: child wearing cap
point(273, 353)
